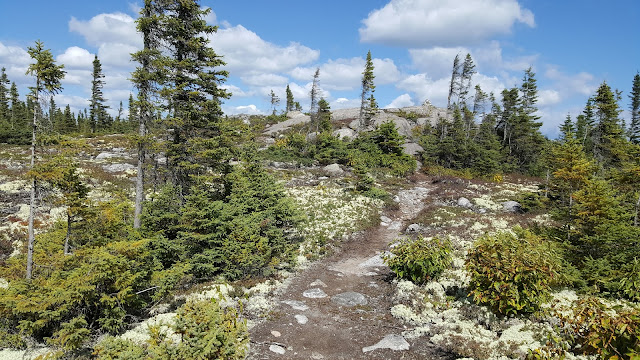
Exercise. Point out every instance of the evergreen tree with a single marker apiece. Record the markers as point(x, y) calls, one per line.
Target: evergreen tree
point(4, 96)
point(16, 107)
point(48, 76)
point(368, 104)
point(324, 116)
point(453, 85)
point(464, 84)
point(69, 123)
point(488, 156)
point(609, 144)
point(290, 102)
point(634, 107)
point(315, 92)
point(193, 93)
point(567, 130)
point(98, 112)
point(585, 124)
point(275, 101)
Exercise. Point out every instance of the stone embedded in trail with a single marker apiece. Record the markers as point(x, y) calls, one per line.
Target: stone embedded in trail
point(319, 283)
point(350, 298)
point(301, 319)
point(465, 203)
point(393, 342)
point(314, 294)
point(385, 220)
point(296, 305)
point(374, 261)
point(277, 349)
point(276, 333)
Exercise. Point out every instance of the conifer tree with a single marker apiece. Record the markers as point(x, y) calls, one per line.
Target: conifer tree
point(324, 116)
point(453, 85)
point(609, 144)
point(634, 107)
point(15, 106)
point(315, 92)
point(290, 102)
point(4, 96)
point(585, 124)
point(69, 123)
point(48, 76)
point(275, 101)
point(98, 113)
point(464, 84)
point(368, 104)
point(567, 130)
point(488, 156)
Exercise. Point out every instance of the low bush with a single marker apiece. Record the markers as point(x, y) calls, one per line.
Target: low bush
point(512, 273)
point(420, 260)
point(201, 330)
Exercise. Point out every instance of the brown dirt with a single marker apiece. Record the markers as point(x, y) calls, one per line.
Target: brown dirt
point(333, 331)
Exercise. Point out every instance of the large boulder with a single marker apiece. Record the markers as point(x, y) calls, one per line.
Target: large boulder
point(345, 114)
point(403, 125)
point(282, 126)
point(465, 203)
point(512, 207)
point(333, 170)
point(293, 114)
point(344, 133)
point(412, 148)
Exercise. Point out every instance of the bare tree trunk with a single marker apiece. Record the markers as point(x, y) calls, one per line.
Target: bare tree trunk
point(32, 201)
point(140, 177)
point(635, 218)
point(546, 186)
point(68, 236)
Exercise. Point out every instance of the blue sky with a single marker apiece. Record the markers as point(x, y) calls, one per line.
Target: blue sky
point(572, 46)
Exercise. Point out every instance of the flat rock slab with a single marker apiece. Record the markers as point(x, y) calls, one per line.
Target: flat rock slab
point(350, 298)
point(277, 349)
point(314, 294)
point(375, 261)
point(393, 342)
point(296, 305)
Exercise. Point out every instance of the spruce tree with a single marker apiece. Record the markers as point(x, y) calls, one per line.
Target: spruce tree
point(290, 102)
point(567, 130)
point(5, 116)
point(48, 76)
point(609, 144)
point(487, 160)
point(453, 85)
point(98, 113)
point(464, 80)
point(368, 104)
point(315, 95)
point(275, 101)
point(634, 107)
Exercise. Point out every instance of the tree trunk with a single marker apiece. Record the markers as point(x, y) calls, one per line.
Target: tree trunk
point(140, 176)
point(32, 201)
point(635, 218)
point(68, 236)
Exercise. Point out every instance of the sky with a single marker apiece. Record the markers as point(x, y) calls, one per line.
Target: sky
point(572, 46)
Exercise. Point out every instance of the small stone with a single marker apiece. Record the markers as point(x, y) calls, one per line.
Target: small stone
point(385, 219)
point(465, 203)
point(319, 283)
point(301, 319)
point(413, 228)
point(349, 298)
point(276, 333)
point(371, 273)
point(373, 285)
point(277, 349)
point(373, 262)
point(314, 294)
point(393, 342)
point(296, 305)
point(316, 356)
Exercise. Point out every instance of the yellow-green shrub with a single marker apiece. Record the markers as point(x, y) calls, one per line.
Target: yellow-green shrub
point(420, 260)
point(512, 272)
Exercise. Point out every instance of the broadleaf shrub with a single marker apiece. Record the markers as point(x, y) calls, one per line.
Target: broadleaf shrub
point(512, 273)
point(420, 260)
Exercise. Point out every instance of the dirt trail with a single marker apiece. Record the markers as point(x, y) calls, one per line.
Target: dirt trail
point(319, 328)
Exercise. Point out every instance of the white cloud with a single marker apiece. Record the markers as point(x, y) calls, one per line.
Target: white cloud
point(582, 83)
point(346, 74)
point(244, 109)
point(236, 91)
point(117, 55)
point(77, 77)
point(107, 28)
point(246, 53)
point(344, 103)
point(76, 103)
point(211, 17)
point(76, 58)
point(422, 23)
point(548, 97)
point(265, 80)
point(436, 61)
point(401, 101)
point(16, 60)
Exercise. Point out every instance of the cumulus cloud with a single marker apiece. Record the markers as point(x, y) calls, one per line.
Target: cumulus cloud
point(16, 60)
point(246, 53)
point(401, 101)
point(243, 109)
point(582, 83)
point(346, 74)
point(265, 80)
point(76, 58)
point(236, 91)
point(423, 23)
point(548, 97)
point(107, 28)
point(344, 103)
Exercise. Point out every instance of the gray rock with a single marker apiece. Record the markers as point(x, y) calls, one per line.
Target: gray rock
point(374, 261)
point(385, 219)
point(333, 170)
point(393, 342)
point(282, 126)
point(314, 294)
point(114, 168)
point(293, 114)
point(465, 203)
point(344, 133)
point(345, 114)
point(311, 136)
point(296, 305)
point(413, 228)
point(277, 349)
point(349, 298)
point(512, 207)
point(402, 124)
point(319, 283)
point(412, 148)
point(301, 319)
point(107, 155)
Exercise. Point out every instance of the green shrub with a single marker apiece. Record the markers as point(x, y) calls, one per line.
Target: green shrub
point(420, 260)
point(205, 331)
point(513, 273)
point(597, 329)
